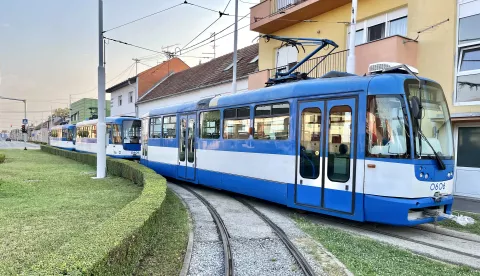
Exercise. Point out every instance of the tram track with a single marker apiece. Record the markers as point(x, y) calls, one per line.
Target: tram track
point(222, 229)
point(301, 261)
point(290, 247)
point(446, 234)
point(375, 230)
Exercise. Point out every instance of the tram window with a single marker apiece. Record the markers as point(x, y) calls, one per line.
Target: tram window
point(169, 127)
point(339, 143)
point(155, 127)
point(236, 123)
point(386, 131)
point(131, 131)
point(210, 124)
point(272, 121)
point(116, 134)
point(310, 143)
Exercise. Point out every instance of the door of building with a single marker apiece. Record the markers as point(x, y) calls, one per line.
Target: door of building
point(467, 170)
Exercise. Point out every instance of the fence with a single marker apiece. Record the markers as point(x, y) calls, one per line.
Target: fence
point(280, 5)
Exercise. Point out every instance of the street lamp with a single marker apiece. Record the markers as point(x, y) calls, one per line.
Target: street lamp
point(25, 113)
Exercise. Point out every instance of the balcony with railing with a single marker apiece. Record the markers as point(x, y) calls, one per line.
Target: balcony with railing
point(390, 49)
point(270, 16)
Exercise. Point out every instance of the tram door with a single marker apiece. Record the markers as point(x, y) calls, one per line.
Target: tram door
point(325, 154)
point(145, 130)
point(186, 147)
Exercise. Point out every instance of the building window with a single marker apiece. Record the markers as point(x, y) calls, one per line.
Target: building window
point(398, 26)
point(120, 100)
point(468, 53)
point(236, 123)
point(130, 97)
point(272, 121)
point(210, 125)
point(359, 37)
point(381, 26)
point(286, 58)
point(376, 32)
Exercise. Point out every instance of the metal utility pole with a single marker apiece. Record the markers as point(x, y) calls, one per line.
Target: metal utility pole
point(351, 43)
point(136, 65)
point(70, 109)
point(24, 135)
point(235, 40)
point(101, 126)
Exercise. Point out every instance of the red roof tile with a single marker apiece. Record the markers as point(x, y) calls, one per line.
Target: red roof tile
point(206, 74)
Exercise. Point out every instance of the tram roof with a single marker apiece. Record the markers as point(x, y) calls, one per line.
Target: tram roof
point(376, 84)
point(114, 120)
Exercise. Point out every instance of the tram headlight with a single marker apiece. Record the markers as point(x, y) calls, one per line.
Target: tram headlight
point(426, 176)
point(450, 174)
point(421, 175)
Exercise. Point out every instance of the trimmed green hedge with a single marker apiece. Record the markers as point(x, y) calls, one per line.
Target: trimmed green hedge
point(116, 246)
point(2, 158)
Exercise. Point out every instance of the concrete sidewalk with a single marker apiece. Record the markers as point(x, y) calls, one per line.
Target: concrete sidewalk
point(466, 204)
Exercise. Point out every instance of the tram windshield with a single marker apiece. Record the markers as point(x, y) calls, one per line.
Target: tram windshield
point(434, 123)
point(131, 131)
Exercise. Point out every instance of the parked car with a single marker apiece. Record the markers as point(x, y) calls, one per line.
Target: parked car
point(8, 140)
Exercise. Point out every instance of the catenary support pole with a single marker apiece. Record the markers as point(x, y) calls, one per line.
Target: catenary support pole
point(26, 127)
point(351, 43)
point(101, 127)
point(235, 40)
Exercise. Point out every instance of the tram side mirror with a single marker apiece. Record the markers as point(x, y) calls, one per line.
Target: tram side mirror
point(416, 107)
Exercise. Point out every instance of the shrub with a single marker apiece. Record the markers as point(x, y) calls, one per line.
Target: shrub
point(116, 246)
point(2, 158)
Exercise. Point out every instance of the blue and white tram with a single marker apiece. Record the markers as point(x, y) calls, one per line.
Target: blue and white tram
point(123, 137)
point(376, 148)
point(62, 136)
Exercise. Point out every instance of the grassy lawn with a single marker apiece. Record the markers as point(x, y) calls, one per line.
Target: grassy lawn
point(46, 200)
point(473, 228)
point(169, 249)
point(364, 256)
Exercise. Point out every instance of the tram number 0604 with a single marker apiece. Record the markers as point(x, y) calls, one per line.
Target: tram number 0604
point(437, 186)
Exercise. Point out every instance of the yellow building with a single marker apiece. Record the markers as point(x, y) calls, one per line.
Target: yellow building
point(441, 38)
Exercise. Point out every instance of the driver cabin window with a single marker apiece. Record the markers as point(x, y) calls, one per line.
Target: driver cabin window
point(386, 131)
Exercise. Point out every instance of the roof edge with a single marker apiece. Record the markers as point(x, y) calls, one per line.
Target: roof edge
point(186, 91)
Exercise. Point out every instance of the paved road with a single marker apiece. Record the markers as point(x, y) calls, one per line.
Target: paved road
point(17, 145)
point(466, 204)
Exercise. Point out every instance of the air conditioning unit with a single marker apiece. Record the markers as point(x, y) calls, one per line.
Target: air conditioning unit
point(378, 67)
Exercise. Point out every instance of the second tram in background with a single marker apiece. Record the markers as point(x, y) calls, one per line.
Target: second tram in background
point(122, 139)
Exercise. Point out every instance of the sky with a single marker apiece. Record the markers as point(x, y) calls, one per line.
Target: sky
point(49, 48)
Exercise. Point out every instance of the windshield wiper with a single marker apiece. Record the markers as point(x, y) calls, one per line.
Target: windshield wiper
point(440, 162)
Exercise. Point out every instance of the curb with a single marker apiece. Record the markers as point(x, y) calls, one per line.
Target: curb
point(188, 252)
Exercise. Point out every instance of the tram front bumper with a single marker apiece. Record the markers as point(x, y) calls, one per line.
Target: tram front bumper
point(406, 211)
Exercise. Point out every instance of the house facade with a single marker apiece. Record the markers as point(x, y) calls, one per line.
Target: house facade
point(202, 81)
point(86, 109)
point(439, 38)
point(124, 95)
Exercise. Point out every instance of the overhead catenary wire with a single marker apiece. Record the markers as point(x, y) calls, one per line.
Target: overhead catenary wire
point(219, 16)
point(216, 33)
point(167, 9)
point(216, 39)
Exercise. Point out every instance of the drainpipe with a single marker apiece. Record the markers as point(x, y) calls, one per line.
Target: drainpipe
point(351, 44)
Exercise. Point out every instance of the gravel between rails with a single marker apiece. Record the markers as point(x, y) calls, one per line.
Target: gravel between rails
point(257, 250)
point(207, 252)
